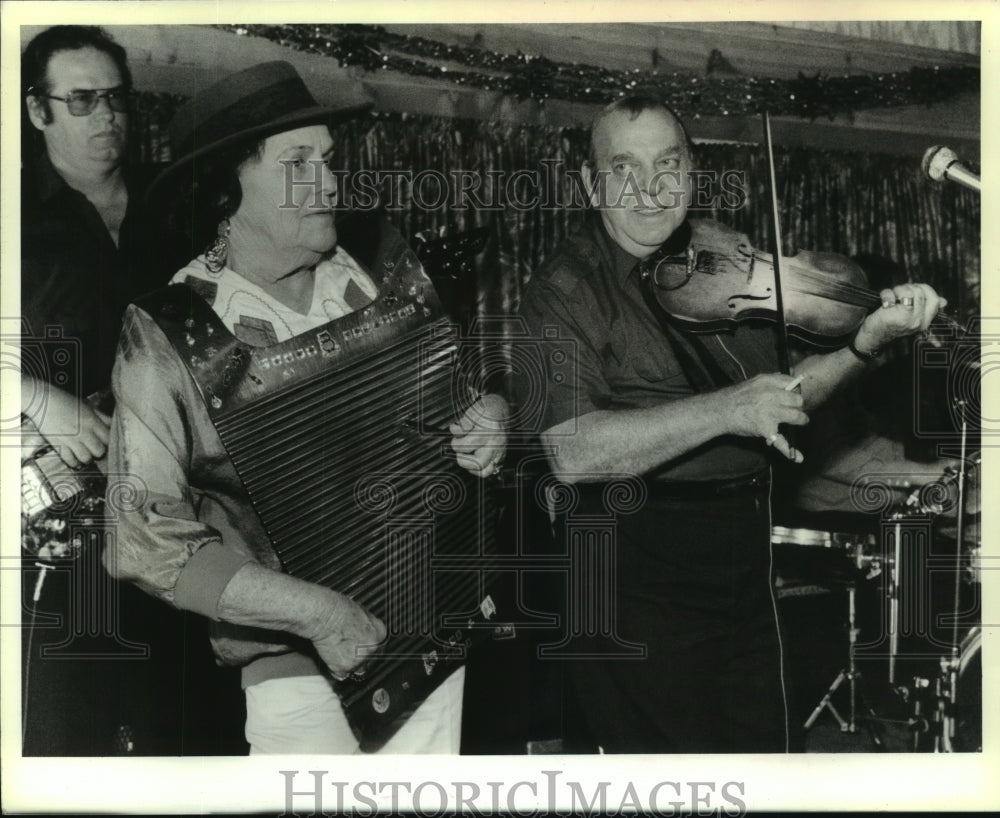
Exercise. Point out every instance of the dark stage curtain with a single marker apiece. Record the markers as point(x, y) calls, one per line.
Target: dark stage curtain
point(850, 203)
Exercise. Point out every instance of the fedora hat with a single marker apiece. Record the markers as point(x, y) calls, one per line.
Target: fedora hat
point(266, 99)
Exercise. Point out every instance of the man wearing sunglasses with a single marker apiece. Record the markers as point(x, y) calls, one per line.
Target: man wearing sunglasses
point(87, 249)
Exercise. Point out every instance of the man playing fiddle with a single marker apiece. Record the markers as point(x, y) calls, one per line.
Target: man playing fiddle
point(694, 417)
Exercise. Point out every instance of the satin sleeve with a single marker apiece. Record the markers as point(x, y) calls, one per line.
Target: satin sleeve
point(161, 441)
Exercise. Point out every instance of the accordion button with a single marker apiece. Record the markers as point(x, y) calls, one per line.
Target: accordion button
point(380, 700)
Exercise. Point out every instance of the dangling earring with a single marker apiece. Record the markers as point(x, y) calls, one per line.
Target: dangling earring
point(218, 250)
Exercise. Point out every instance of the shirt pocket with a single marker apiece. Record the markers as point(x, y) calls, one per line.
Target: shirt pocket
point(655, 364)
point(641, 360)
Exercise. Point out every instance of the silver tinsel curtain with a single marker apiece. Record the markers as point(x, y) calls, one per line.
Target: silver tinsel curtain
point(850, 203)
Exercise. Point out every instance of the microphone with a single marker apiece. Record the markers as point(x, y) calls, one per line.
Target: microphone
point(940, 163)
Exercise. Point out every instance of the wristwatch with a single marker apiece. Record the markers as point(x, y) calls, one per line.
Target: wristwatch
point(864, 357)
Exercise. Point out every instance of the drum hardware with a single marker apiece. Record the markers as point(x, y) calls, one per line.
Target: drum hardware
point(918, 723)
point(973, 571)
point(945, 695)
point(948, 708)
point(952, 716)
point(956, 706)
point(969, 547)
point(915, 507)
point(939, 721)
point(781, 535)
point(948, 676)
point(860, 549)
point(852, 676)
point(968, 694)
point(871, 564)
point(894, 591)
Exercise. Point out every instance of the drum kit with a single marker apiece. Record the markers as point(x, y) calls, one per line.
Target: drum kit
point(940, 708)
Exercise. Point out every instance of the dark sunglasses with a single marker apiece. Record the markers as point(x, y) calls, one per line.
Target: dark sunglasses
point(82, 103)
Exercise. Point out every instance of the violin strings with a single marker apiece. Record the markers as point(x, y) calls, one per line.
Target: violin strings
point(862, 296)
point(850, 293)
point(842, 291)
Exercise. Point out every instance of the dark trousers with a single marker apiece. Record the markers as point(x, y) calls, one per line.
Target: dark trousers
point(693, 586)
point(108, 670)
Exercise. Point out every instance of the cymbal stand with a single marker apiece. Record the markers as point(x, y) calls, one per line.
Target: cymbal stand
point(948, 675)
point(894, 592)
point(941, 722)
point(943, 717)
point(959, 529)
point(852, 676)
point(918, 723)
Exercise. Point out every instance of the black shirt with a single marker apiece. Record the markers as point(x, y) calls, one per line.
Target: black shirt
point(588, 298)
point(75, 283)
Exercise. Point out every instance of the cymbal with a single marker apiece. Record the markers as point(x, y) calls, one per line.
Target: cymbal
point(973, 495)
point(973, 530)
point(948, 483)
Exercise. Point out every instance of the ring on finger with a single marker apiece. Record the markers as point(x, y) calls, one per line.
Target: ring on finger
point(907, 301)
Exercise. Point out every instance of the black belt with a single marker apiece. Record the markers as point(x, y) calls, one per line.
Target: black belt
point(704, 489)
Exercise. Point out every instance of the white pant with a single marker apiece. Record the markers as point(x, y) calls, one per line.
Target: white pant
point(302, 714)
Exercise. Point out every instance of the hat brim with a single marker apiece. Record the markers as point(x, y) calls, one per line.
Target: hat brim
point(295, 119)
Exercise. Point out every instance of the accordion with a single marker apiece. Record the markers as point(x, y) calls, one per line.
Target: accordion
point(340, 437)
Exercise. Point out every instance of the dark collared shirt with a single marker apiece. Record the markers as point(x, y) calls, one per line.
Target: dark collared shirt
point(589, 293)
point(75, 283)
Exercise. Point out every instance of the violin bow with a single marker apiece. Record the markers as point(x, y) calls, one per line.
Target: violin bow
point(781, 327)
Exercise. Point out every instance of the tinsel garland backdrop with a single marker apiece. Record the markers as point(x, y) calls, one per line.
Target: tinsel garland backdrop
point(528, 76)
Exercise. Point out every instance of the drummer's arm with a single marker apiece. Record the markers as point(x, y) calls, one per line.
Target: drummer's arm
point(881, 460)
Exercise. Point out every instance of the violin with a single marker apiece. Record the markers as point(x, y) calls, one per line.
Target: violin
point(722, 279)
